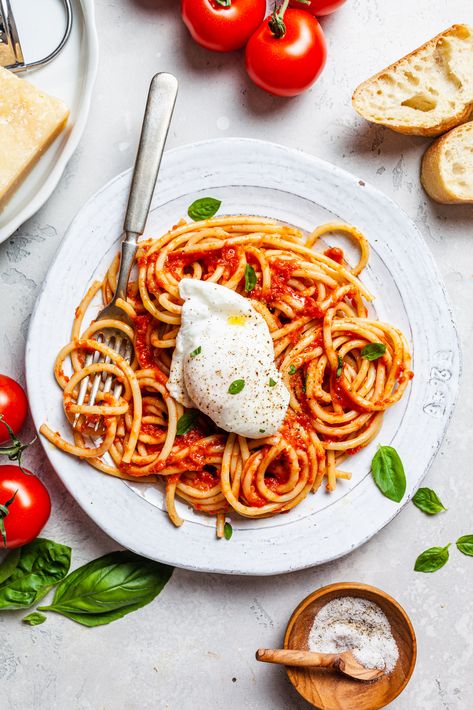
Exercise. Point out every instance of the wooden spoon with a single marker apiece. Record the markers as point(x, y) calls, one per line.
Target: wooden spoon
point(344, 662)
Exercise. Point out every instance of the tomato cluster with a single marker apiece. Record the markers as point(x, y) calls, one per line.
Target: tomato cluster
point(24, 501)
point(285, 52)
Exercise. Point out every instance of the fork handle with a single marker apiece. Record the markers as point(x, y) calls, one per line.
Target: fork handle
point(159, 107)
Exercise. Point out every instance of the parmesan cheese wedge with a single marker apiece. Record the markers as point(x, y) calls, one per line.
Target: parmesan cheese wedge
point(29, 122)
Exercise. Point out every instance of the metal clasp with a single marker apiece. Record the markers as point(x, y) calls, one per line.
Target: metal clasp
point(11, 53)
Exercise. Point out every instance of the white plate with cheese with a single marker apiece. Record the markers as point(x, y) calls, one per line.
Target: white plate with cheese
point(257, 178)
point(69, 77)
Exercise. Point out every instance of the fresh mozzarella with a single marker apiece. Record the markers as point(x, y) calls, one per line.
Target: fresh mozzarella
point(224, 346)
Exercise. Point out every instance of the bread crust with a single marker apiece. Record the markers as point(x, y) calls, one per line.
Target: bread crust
point(460, 117)
point(434, 182)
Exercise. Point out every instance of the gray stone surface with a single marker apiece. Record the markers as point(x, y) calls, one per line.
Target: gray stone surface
point(194, 647)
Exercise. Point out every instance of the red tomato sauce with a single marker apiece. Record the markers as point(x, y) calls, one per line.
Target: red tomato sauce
point(335, 254)
point(203, 480)
point(227, 256)
point(403, 374)
point(145, 352)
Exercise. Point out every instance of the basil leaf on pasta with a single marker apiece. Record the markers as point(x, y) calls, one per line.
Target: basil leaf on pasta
point(388, 473)
point(250, 278)
point(203, 208)
point(292, 369)
point(432, 559)
point(428, 501)
point(373, 351)
point(272, 382)
point(227, 531)
point(340, 367)
point(186, 422)
point(236, 386)
point(465, 545)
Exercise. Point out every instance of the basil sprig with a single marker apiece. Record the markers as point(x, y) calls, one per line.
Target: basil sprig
point(28, 574)
point(465, 545)
point(109, 588)
point(292, 369)
point(432, 559)
point(203, 208)
point(186, 422)
point(227, 531)
point(428, 501)
point(272, 383)
point(373, 351)
point(388, 473)
point(34, 619)
point(250, 278)
point(236, 386)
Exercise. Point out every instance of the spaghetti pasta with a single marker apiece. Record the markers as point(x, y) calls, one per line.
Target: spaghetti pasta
point(314, 306)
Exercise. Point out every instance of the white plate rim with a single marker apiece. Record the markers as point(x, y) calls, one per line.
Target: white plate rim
point(283, 566)
point(50, 184)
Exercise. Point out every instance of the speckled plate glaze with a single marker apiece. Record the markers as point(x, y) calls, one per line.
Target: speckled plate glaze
point(258, 178)
point(70, 77)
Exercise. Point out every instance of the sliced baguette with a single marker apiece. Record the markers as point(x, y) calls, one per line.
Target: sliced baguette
point(427, 92)
point(447, 167)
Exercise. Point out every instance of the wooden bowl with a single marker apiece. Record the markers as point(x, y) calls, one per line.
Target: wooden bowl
point(330, 690)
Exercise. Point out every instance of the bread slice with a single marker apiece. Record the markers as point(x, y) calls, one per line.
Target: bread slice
point(427, 92)
point(29, 121)
point(447, 167)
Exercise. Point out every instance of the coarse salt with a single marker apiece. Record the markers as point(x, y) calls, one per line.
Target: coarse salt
point(357, 625)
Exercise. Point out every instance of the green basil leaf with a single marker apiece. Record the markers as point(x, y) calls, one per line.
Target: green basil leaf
point(373, 351)
point(236, 386)
point(9, 564)
point(428, 501)
point(227, 531)
point(42, 564)
point(340, 367)
point(109, 588)
point(186, 422)
point(250, 278)
point(272, 382)
point(432, 559)
point(34, 619)
point(465, 545)
point(388, 473)
point(196, 352)
point(204, 208)
point(292, 369)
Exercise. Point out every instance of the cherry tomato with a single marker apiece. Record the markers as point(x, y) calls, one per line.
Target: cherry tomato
point(319, 7)
point(288, 65)
point(25, 506)
point(13, 406)
point(221, 27)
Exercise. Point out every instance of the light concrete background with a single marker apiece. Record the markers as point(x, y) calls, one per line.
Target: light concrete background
point(193, 648)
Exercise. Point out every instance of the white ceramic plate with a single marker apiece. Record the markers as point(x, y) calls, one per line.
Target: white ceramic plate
point(263, 179)
point(70, 77)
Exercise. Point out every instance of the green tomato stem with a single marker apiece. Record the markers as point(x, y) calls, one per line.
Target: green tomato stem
point(276, 21)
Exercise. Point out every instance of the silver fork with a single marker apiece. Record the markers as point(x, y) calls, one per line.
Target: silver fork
point(159, 108)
